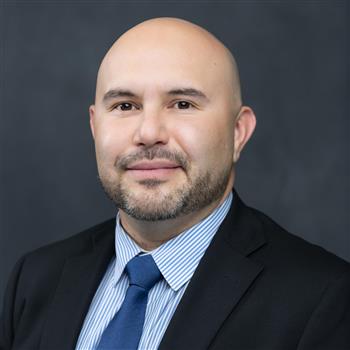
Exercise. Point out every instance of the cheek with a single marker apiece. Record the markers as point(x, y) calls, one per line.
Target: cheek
point(207, 144)
point(109, 141)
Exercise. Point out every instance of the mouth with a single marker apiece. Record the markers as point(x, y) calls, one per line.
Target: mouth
point(153, 169)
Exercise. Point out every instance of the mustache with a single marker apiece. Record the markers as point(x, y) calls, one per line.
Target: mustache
point(152, 153)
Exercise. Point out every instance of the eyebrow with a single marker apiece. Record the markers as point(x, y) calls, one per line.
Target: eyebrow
point(188, 92)
point(116, 93)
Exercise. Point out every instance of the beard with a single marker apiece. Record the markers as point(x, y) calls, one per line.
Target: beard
point(155, 203)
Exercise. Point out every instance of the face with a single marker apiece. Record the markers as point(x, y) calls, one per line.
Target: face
point(163, 124)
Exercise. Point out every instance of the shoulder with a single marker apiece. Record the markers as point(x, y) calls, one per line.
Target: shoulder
point(44, 265)
point(59, 251)
point(292, 254)
point(37, 274)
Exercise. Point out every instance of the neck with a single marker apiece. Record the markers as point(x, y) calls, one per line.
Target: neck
point(150, 235)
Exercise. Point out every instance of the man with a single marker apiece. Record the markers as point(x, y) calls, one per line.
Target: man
point(185, 264)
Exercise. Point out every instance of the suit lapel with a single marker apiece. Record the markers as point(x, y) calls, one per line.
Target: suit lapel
point(80, 278)
point(223, 276)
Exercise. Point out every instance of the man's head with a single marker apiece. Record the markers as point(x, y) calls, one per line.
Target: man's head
point(168, 122)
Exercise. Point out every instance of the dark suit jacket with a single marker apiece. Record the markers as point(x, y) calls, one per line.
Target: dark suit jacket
point(257, 287)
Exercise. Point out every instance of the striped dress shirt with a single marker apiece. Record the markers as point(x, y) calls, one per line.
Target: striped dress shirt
point(177, 259)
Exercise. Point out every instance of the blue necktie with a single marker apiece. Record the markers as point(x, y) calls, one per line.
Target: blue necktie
point(125, 329)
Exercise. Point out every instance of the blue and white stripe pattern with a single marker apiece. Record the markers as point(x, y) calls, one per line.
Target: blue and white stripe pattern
point(177, 259)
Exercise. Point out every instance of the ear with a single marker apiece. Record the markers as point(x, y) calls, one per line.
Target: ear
point(244, 127)
point(92, 119)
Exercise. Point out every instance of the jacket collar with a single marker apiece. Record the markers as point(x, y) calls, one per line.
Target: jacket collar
point(222, 277)
point(224, 274)
point(80, 277)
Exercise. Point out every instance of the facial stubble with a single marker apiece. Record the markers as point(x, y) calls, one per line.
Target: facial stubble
point(153, 201)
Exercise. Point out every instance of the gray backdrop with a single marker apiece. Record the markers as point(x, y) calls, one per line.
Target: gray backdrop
point(293, 60)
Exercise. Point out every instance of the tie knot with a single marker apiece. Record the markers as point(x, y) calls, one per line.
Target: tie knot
point(143, 271)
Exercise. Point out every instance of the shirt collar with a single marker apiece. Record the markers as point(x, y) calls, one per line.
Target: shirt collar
point(177, 258)
point(125, 249)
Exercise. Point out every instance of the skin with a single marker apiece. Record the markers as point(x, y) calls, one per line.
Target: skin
point(207, 133)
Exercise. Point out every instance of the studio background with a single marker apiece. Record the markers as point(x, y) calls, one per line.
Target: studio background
point(293, 61)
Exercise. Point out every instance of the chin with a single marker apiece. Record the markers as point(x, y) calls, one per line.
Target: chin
point(147, 209)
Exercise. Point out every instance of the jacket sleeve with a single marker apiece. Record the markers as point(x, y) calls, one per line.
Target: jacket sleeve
point(11, 309)
point(329, 325)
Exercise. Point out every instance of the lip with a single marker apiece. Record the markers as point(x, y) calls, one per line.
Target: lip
point(160, 170)
point(153, 165)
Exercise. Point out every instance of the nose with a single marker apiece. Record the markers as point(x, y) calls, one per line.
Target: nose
point(151, 129)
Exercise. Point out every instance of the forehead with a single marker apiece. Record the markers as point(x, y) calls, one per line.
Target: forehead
point(163, 66)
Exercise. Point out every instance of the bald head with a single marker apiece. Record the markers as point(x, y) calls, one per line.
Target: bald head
point(173, 42)
point(168, 91)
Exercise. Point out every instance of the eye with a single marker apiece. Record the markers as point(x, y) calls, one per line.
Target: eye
point(183, 105)
point(124, 106)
